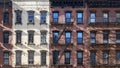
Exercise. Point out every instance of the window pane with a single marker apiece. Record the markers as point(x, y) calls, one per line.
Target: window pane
point(68, 37)
point(92, 57)
point(55, 57)
point(43, 58)
point(105, 57)
point(80, 37)
point(6, 37)
point(31, 57)
point(55, 37)
point(118, 57)
point(43, 38)
point(67, 57)
point(6, 17)
point(6, 58)
point(18, 58)
point(92, 37)
point(117, 36)
point(31, 17)
point(18, 37)
point(18, 16)
point(105, 37)
point(79, 57)
point(92, 17)
point(68, 17)
point(43, 16)
point(55, 17)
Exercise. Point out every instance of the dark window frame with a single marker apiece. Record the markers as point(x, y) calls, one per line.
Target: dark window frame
point(81, 18)
point(79, 38)
point(93, 57)
point(105, 59)
point(55, 39)
point(68, 20)
point(43, 57)
point(106, 20)
point(92, 38)
point(66, 39)
point(91, 18)
point(80, 60)
point(31, 15)
point(6, 58)
point(18, 17)
point(18, 58)
point(43, 17)
point(30, 37)
point(67, 60)
point(18, 36)
point(6, 17)
point(6, 39)
point(118, 37)
point(56, 20)
point(30, 57)
point(55, 57)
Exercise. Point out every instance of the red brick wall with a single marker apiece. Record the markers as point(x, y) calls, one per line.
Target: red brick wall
point(4, 27)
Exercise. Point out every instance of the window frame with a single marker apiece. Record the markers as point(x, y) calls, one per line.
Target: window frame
point(106, 59)
point(93, 18)
point(56, 18)
point(68, 18)
point(80, 59)
point(18, 19)
point(67, 60)
point(6, 39)
point(6, 58)
point(55, 58)
point(43, 57)
point(93, 57)
point(106, 39)
point(92, 38)
point(30, 37)
point(30, 57)
point(43, 19)
point(55, 40)
point(18, 58)
point(69, 38)
point(31, 15)
point(81, 18)
point(6, 17)
point(79, 38)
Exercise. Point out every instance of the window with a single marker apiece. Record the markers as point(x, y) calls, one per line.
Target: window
point(30, 57)
point(18, 16)
point(68, 17)
point(92, 17)
point(93, 57)
point(55, 36)
point(118, 37)
point(55, 17)
point(6, 17)
point(43, 58)
point(68, 37)
point(43, 37)
point(118, 17)
point(6, 37)
point(6, 58)
point(30, 16)
point(79, 57)
point(118, 57)
point(105, 57)
point(30, 37)
point(92, 37)
point(67, 57)
point(105, 37)
point(55, 57)
point(43, 16)
point(79, 17)
point(80, 37)
point(18, 36)
point(18, 57)
point(105, 17)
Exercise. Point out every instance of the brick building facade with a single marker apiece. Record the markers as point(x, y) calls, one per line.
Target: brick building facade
point(85, 34)
point(5, 34)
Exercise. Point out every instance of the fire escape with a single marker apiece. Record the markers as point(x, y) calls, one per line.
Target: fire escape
point(62, 4)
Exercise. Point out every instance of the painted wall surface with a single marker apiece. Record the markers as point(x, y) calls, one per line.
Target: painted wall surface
point(36, 6)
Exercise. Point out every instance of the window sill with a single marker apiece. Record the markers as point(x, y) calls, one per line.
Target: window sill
point(43, 44)
point(79, 23)
point(18, 43)
point(80, 43)
point(44, 65)
point(18, 23)
point(80, 65)
point(6, 44)
point(30, 23)
point(31, 43)
point(43, 23)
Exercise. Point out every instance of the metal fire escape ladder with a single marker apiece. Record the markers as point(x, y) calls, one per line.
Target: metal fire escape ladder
point(65, 46)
